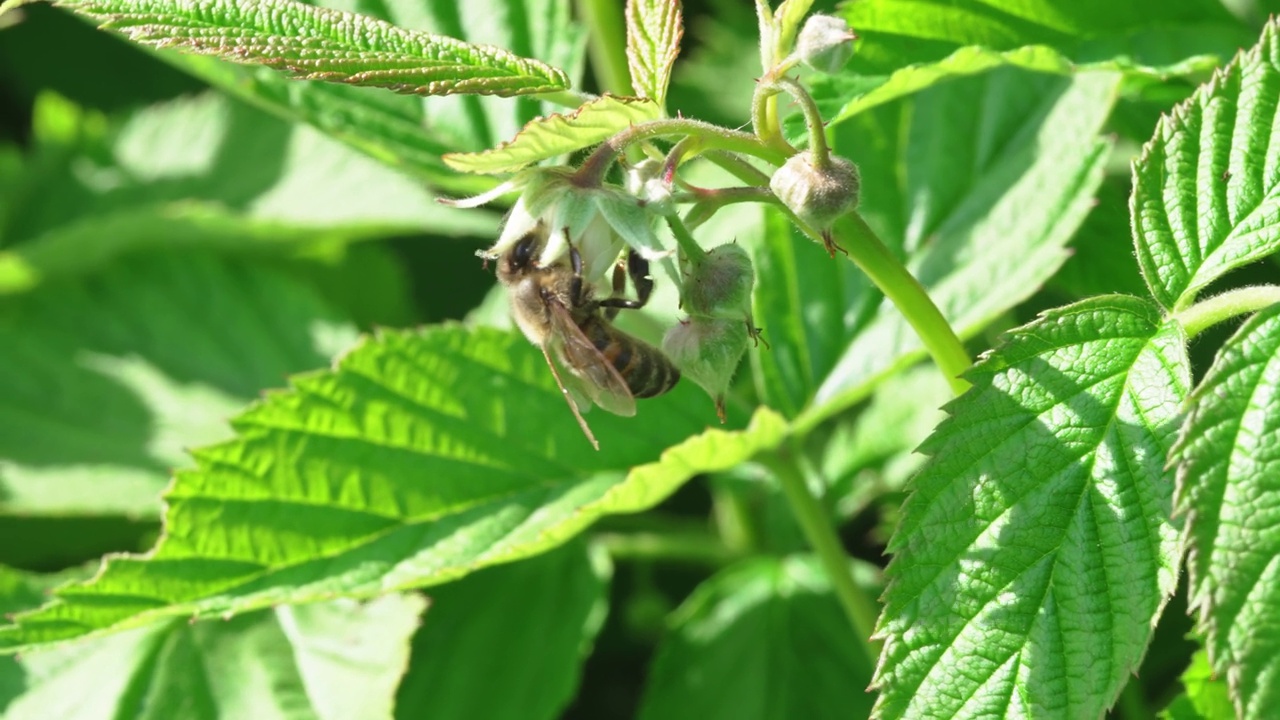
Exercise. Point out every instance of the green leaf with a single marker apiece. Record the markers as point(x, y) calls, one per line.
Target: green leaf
point(1205, 188)
point(202, 171)
point(763, 639)
point(322, 44)
point(1036, 549)
point(557, 134)
point(1228, 484)
point(404, 132)
point(423, 456)
point(654, 28)
point(907, 45)
point(1102, 260)
point(480, 655)
point(111, 376)
point(981, 190)
point(338, 660)
point(1205, 696)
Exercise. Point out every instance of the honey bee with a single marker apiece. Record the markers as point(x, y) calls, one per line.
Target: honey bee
point(556, 309)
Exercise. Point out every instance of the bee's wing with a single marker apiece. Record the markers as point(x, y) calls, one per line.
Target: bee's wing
point(569, 398)
point(600, 381)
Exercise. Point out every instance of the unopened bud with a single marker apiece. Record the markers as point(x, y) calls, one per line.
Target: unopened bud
point(825, 43)
point(719, 284)
point(818, 196)
point(644, 181)
point(708, 350)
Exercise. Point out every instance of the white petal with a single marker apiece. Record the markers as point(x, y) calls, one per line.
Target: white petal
point(483, 198)
point(518, 224)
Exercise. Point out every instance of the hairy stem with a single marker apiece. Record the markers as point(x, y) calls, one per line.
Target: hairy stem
point(713, 137)
point(871, 256)
point(812, 119)
point(1233, 303)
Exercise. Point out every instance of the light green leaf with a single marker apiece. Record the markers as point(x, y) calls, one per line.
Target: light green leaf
point(423, 456)
point(557, 134)
point(111, 376)
point(481, 655)
point(1205, 188)
point(1205, 696)
point(762, 640)
point(654, 28)
point(994, 175)
point(203, 171)
point(404, 132)
point(321, 44)
point(908, 45)
point(1228, 485)
point(1036, 549)
point(328, 661)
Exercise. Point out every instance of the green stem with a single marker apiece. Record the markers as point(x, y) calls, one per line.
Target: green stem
point(709, 202)
point(906, 293)
point(764, 118)
point(688, 244)
point(607, 43)
point(860, 609)
point(591, 173)
point(691, 548)
point(1211, 311)
point(813, 119)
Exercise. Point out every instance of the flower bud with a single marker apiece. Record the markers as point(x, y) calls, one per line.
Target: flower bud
point(644, 181)
point(707, 350)
point(825, 43)
point(719, 284)
point(818, 196)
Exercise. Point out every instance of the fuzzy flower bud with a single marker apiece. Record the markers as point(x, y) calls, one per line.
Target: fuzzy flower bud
point(818, 196)
point(644, 181)
point(719, 284)
point(708, 350)
point(825, 43)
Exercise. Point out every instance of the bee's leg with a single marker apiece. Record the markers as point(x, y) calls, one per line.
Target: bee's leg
point(576, 286)
point(619, 287)
point(638, 269)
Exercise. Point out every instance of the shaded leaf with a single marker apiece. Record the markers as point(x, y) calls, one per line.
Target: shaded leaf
point(112, 376)
point(1205, 188)
point(508, 642)
point(1228, 487)
point(422, 457)
point(654, 28)
point(329, 661)
point(322, 44)
point(1205, 696)
point(558, 134)
point(763, 639)
point(1036, 549)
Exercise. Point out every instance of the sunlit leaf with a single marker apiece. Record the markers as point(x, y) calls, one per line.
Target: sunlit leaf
point(1037, 547)
point(321, 44)
point(329, 661)
point(1205, 188)
point(1228, 465)
point(654, 28)
point(558, 134)
point(423, 456)
point(1205, 696)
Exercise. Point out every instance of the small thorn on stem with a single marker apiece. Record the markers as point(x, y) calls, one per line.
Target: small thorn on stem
point(720, 409)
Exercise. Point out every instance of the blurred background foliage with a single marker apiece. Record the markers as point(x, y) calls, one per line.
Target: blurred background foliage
point(125, 183)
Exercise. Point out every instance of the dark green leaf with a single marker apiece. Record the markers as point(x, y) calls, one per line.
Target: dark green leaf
point(423, 456)
point(762, 640)
point(1228, 463)
point(1036, 549)
point(507, 642)
point(1205, 189)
